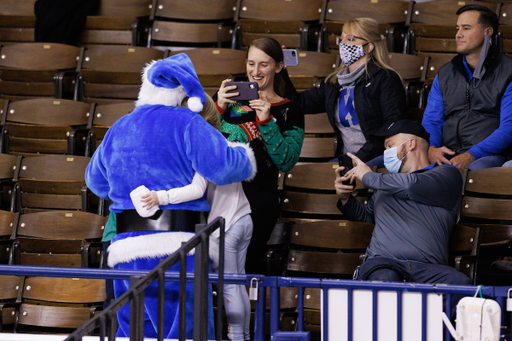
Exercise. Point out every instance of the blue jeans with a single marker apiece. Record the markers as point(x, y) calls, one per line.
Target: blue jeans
point(487, 162)
point(393, 270)
point(236, 300)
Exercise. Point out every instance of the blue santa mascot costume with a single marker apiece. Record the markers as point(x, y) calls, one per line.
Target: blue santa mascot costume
point(161, 145)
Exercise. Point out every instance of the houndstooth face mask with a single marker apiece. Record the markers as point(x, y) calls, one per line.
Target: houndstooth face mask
point(350, 53)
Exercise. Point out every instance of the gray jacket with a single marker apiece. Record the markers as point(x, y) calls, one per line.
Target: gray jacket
point(413, 213)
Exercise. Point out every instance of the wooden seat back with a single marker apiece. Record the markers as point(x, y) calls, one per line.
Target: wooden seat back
point(39, 56)
point(383, 11)
point(317, 124)
point(318, 149)
point(201, 10)
point(282, 10)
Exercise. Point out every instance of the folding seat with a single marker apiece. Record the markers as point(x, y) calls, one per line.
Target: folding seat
point(101, 120)
point(435, 61)
point(184, 24)
point(289, 22)
point(432, 25)
point(317, 125)
point(7, 171)
point(331, 248)
point(58, 238)
point(505, 28)
point(10, 293)
point(6, 226)
point(213, 65)
point(486, 201)
point(335, 13)
point(17, 21)
point(58, 305)
point(53, 182)
point(313, 67)
point(412, 70)
point(117, 22)
point(464, 250)
point(45, 126)
point(31, 70)
point(308, 193)
point(112, 74)
point(317, 149)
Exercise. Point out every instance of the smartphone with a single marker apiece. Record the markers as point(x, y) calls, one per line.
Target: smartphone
point(247, 91)
point(345, 161)
point(291, 58)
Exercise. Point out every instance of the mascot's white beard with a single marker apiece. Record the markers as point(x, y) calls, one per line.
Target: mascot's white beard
point(151, 94)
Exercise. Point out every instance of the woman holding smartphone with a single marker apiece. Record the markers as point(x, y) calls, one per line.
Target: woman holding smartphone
point(274, 127)
point(361, 96)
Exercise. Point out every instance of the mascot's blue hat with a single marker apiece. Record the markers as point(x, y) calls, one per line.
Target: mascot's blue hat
point(169, 81)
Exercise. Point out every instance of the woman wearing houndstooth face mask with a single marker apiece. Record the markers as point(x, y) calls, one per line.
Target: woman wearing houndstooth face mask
point(360, 96)
point(351, 53)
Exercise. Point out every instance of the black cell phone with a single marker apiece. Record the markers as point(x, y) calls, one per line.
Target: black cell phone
point(345, 161)
point(247, 91)
point(291, 57)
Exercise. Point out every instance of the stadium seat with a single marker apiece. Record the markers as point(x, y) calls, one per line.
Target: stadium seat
point(7, 170)
point(313, 67)
point(486, 204)
point(17, 21)
point(36, 70)
point(317, 125)
point(58, 238)
point(330, 248)
point(117, 22)
point(436, 60)
point(9, 294)
point(58, 305)
point(308, 193)
point(178, 24)
point(505, 28)
point(317, 149)
point(412, 70)
point(289, 22)
point(54, 182)
point(335, 13)
point(432, 25)
point(7, 220)
point(464, 250)
point(101, 120)
point(213, 65)
point(45, 126)
point(112, 74)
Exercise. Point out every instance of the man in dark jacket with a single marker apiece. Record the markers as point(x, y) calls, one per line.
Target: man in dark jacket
point(414, 209)
point(469, 111)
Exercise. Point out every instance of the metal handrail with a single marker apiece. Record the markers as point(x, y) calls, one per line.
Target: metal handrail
point(135, 294)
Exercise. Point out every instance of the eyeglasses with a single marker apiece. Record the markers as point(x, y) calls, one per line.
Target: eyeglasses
point(349, 39)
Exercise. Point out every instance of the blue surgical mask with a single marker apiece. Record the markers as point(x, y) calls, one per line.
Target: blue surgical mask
point(391, 160)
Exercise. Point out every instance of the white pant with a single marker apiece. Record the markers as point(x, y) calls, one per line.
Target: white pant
point(236, 300)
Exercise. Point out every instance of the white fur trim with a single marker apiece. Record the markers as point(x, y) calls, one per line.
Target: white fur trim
point(146, 246)
point(194, 104)
point(154, 95)
point(250, 154)
point(156, 245)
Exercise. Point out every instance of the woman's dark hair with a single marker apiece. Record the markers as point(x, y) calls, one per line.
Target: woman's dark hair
point(486, 18)
point(271, 47)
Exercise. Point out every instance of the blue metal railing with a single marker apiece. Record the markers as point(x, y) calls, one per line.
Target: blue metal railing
point(275, 283)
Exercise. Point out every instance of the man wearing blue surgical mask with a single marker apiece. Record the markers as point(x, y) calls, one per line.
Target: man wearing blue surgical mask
point(414, 209)
point(469, 108)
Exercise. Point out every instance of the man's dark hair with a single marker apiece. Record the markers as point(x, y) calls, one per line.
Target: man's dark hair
point(486, 18)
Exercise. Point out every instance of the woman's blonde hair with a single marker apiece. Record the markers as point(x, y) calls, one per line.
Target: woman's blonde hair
point(368, 29)
point(209, 112)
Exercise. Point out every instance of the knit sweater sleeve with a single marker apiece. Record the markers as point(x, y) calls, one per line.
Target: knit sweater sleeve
point(284, 144)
